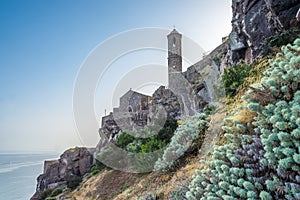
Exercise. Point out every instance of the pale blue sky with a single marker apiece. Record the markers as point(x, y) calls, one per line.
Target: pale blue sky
point(44, 43)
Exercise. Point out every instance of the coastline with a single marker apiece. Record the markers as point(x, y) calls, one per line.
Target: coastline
point(18, 174)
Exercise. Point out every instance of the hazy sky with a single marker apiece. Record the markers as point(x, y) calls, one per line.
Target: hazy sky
point(44, 43)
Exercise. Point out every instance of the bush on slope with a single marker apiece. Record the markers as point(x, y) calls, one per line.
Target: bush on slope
point(183, 137)
point(260, 163)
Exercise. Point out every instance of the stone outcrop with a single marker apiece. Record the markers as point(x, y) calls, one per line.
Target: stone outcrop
point(255, 20)
point(73, 162)
point(168, 100)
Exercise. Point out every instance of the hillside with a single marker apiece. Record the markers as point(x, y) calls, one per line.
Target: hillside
point(243, 145)
point(238, 167)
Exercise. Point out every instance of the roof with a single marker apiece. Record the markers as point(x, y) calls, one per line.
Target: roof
point(174, 31)
point(130, 92)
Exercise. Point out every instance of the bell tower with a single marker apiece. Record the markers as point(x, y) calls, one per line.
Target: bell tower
point(174, 57)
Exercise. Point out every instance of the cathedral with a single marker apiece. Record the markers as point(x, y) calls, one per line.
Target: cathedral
point(185, 95)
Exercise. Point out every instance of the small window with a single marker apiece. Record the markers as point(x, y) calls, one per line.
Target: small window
point(174, 42)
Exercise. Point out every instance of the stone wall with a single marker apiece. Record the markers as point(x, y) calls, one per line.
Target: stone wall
point(205, 77)
point(133, 102)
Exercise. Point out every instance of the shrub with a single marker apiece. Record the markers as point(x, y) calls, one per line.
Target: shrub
point(227, 176)
point(209, 109)
point(152, 145)
point(74, 182)
point(233, 77)
point(94, 172)
point(277, 122)
point(261, 162)
point(283, 38)
point(46, 193)
point(97, 167)
point(166, 133)
point(145, 145)
point(56, 192)
point(124, 139)
point(134, 146)
point(183, 137)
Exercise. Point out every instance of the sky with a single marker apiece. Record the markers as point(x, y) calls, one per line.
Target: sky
point(43, 45)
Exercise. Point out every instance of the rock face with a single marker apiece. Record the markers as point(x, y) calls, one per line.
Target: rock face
point(73, 162)
point(168, 100)
point(255, 20)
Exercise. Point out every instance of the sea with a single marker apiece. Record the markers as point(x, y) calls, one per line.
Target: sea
point(18, 173)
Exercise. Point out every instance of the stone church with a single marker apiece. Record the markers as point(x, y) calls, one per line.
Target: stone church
point(187, 93)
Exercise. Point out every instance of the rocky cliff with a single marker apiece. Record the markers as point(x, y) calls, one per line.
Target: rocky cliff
point(74, 162)
point(253, 21)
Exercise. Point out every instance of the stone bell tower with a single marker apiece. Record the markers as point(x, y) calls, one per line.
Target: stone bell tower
point(174, 57)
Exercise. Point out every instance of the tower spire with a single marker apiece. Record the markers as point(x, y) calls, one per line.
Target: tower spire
point(174, 56)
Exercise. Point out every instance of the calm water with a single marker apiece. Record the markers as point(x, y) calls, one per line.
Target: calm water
point(18, 173)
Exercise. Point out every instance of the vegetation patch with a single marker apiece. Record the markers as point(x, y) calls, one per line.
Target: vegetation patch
point(46, 193)
point(74, 182)
point(56, 192)
point(181, 141)
point(274, 42)
point(234, 76)
point(260, 159)
point(145, 145)
point(283, 38)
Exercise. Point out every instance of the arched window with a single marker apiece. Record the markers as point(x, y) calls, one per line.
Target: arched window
point(129, 109)
point(174, 42)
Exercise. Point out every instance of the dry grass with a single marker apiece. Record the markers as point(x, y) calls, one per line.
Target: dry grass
point(104, 186)
point(255, 75)
point(244, 116)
